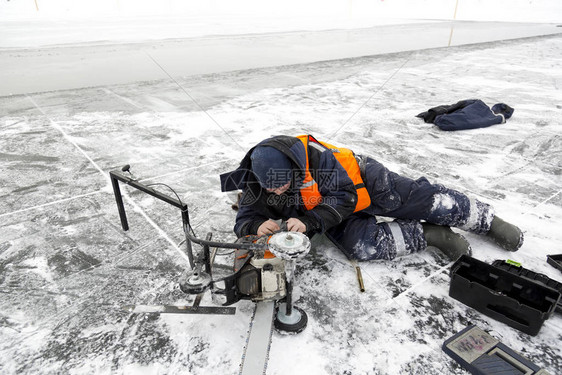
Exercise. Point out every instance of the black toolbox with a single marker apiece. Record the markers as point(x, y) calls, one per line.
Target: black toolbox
point(555, 260)
point(531, 275)
point(514, 300)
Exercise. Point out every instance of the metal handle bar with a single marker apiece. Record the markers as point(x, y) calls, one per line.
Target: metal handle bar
point(117, 176)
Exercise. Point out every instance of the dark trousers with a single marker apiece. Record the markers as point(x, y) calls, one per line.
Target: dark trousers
point(364, 236)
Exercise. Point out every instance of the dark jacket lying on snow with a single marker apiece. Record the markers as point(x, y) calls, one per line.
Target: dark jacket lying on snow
point(467, 114)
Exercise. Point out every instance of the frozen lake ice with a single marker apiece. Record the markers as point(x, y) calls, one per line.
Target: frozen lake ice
point(66, 266)
point(68, 61)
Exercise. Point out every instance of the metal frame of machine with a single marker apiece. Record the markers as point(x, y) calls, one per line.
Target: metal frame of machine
point(262, 272)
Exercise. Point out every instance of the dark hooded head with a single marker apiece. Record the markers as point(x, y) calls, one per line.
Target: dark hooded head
point(503, 109)
point(271, 167)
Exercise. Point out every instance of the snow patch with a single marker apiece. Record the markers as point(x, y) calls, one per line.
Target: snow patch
point(442, 200)
point(40, 266)
point(91, 331)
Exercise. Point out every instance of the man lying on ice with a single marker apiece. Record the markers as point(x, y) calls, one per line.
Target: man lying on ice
point(319, 188)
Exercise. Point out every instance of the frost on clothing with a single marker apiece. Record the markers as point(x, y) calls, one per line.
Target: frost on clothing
point(359, 235)
point(455, 209)
point(364, 238)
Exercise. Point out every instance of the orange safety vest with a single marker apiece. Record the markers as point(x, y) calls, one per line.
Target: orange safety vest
point(309, 190)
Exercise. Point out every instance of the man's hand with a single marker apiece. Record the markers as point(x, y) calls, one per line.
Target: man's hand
point(268, 227)
point(295, 225)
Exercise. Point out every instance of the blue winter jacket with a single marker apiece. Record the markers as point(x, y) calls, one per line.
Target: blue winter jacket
point(466, 114)
point(257, 205)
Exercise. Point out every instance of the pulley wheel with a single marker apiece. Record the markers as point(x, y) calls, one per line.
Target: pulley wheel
point(194, 281)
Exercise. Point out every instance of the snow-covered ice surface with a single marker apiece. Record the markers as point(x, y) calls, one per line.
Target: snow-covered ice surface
point(60, 63)
point(66, 266)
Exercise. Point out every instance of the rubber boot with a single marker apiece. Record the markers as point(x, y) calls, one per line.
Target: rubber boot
point(506, 235)
point(450, 243)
